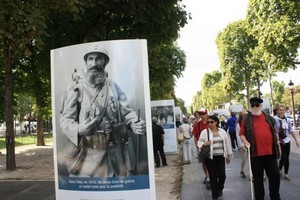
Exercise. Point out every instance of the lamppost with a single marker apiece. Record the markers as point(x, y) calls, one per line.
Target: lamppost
point(291, 87)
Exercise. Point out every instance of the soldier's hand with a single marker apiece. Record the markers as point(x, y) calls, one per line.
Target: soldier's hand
point(138, 127)
point(87, 127)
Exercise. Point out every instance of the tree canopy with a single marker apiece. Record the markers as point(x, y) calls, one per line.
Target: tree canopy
point(30, 29)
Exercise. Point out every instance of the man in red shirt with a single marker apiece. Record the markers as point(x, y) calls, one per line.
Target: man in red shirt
point(257, 133)
point(198, 127)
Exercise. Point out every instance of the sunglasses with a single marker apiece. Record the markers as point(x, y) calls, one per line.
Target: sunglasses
point(210, 122)
point(201, 113)
point(255, 105)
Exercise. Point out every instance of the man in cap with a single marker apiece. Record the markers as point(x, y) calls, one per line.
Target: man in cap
point(258, 133)
point(197, 129)
point(97, 119)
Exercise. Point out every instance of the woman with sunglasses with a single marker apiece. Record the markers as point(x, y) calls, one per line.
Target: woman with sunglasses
point(220, 152)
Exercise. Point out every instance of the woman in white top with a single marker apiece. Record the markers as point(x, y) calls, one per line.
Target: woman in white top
point(186, 130)
point(284, 129)
point(220, 152)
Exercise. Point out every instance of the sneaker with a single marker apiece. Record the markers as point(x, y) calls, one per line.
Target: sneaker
point(208, 185)
point(265, 178)
point(205, 180)
point(220, 192)
point(243, 174)
point(287, 178)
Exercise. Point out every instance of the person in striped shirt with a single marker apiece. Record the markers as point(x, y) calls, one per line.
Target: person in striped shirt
point(220, 153)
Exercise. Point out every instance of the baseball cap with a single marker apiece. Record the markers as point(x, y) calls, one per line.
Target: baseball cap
point(202, 110)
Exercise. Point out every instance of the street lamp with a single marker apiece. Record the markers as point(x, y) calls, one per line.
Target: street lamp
point(291, 87)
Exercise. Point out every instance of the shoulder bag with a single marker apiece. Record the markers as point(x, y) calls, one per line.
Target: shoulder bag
point(205, 150)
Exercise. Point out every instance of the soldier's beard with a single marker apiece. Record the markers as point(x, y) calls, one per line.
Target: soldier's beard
point(95, 77)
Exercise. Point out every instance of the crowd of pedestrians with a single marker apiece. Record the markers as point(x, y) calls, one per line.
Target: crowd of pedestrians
point(257, 136)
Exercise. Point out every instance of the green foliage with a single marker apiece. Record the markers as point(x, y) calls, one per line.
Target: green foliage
point(275, 24)
point(234, 49)
point(165, 62)
point(278, 91)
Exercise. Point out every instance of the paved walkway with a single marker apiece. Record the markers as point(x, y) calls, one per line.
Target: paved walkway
point(237, 188)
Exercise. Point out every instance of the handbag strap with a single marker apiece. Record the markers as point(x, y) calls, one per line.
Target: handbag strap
point(207, 134)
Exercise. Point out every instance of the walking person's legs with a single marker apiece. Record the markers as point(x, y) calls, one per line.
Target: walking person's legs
point(233, 139)
point(211, 168)
point(189, 149)
point(221, 174)
point(243, 161)
point(185, 153)
point(257, 167)
point(156, 157)
point(162, 155)
point(286, 165)
point(283, 157)
point(272, 171)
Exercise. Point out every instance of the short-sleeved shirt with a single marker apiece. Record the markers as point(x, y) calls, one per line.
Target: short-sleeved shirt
point(198, 128)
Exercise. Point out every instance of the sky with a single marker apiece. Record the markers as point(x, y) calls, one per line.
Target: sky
point(197, 40)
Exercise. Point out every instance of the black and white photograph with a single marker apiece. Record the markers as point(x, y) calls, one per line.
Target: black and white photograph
point(102, 106)
point(164, 112)
point(164, 115)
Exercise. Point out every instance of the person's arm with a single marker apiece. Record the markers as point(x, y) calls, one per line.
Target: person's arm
point(203, 140)
point(295, 138)
point(242, 135)
point(195, 129)
point(238, 138)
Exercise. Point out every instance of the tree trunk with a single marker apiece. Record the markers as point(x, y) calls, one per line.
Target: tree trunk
point(271, 89)
point(40, 131)
point(40, 121)
point(8, 110)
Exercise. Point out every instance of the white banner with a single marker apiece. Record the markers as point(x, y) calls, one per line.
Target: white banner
point(164, 111)
point(102, 121)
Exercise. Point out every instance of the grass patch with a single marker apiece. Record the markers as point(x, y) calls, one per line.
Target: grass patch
point(25, 140)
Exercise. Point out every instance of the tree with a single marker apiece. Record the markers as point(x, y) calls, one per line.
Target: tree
point(275, 24)
point(213, 90)
point(278, 88)
point(22, 28)
point(21, 24)
point(234, 45)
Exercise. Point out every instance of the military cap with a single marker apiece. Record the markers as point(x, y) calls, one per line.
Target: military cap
point(97, 49)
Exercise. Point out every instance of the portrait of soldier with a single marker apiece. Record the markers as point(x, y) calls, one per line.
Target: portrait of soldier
point(97, 119)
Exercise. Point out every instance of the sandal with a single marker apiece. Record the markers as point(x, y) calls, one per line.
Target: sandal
point(243, 174)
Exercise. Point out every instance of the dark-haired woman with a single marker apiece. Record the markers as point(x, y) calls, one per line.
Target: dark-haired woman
point(220, 152)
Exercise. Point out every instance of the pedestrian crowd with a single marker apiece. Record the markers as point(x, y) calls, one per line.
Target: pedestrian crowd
point(258, 136)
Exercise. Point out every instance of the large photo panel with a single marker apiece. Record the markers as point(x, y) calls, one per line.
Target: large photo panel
point(164, 111)
point(102, 120)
